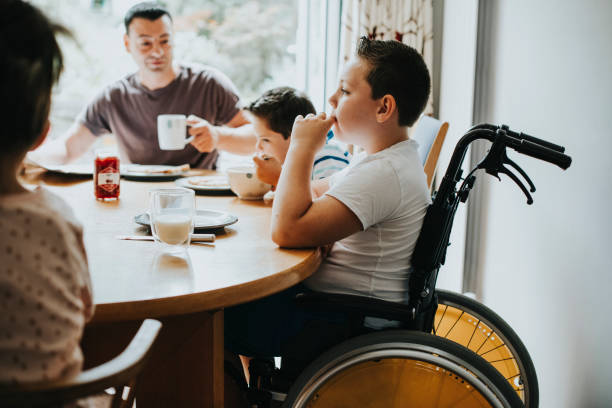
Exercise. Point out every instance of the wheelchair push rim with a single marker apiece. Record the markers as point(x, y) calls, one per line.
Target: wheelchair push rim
point(401, 368)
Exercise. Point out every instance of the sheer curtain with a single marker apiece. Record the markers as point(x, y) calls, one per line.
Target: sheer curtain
point(408, 21)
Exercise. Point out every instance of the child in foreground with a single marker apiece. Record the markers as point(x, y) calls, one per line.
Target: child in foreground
point(272, 116)
point(370, 213)
point(45, 289)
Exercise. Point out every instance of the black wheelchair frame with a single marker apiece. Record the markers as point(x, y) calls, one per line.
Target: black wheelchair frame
point(430, 251)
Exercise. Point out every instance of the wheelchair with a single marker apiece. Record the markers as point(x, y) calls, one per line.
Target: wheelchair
point(445, 349)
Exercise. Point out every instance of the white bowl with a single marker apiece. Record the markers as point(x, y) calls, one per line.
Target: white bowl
point(245, 184)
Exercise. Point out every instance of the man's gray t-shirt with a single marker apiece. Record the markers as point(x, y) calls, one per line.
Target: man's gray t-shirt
point(129, 111)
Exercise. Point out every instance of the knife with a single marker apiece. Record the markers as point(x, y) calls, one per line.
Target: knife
point(194, 237)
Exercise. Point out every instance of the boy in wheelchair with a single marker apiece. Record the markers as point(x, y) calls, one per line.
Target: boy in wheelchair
point(368, 215)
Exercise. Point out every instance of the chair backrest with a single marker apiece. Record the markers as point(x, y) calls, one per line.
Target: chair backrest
point(117, 373)
point(430, 134)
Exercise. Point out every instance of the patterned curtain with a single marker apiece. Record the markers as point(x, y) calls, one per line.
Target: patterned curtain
point(408, 21)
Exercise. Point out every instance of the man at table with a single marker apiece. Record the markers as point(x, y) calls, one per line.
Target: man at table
point(129, 107)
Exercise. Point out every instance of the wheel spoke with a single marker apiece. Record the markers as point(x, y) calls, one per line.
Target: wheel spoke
point(493, 349)
point(502, 359)
point(441, 318)
point(454, 324)
point(473, 332)
point(485, 339)
point(520, 387)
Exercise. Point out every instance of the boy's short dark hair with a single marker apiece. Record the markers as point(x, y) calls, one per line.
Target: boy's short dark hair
point(31, 64)
point(149, 10)
point(398, 70)
point(279, 107)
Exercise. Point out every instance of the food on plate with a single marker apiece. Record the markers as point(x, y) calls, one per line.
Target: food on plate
point(154, 169)
point(209, 181)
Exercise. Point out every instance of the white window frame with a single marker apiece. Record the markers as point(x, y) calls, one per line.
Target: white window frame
point(318, 49)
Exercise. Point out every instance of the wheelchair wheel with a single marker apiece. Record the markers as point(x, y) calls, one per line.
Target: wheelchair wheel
point(400, 368)
point(478, 328)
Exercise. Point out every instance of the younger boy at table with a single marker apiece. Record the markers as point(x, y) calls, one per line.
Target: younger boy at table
point(272, 116)
point(370, 213)
point(45, 289)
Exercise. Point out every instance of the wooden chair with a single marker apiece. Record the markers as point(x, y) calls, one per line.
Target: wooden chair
point(430, 134)
point(122, 371)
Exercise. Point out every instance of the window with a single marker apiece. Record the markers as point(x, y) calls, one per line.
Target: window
point(259, 44)
point(318, 41)
point(253, 42)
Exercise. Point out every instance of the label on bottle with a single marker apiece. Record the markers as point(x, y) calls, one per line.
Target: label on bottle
point(108, 179)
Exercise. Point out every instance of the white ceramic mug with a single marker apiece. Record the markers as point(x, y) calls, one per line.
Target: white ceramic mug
point(171, 131)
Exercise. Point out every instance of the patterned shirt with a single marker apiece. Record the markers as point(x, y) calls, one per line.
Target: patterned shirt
point(332, 158)
point(44, 280)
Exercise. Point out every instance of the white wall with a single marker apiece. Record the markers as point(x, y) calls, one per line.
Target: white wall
point(547, 266)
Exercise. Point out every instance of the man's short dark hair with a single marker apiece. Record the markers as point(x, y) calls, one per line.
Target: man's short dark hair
point(149, 10)
point(279, 107)
point(31, 65)
point(398, 70)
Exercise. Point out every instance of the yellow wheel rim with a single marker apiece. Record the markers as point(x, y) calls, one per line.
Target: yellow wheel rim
point(394, 383)
point(469, 331)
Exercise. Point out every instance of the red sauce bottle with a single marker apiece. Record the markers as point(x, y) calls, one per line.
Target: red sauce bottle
point(106, 176)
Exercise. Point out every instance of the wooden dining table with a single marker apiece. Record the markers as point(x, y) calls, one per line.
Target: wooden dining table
point(135, 280)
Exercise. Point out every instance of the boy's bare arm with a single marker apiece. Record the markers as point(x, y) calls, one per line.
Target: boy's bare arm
point(319, 187)
point(297, 220)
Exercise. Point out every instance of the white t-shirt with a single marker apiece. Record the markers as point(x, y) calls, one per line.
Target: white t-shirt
point(43, 271)
point(388, 192)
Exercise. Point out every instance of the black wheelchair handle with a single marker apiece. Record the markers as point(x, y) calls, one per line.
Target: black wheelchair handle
point(540, 142)
point(521, 136)
point(543, 153)
point(532, 139)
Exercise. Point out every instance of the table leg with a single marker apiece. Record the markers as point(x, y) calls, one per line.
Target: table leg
point(186, 366)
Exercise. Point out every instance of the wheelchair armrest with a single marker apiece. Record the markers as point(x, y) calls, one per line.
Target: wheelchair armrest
point(355, 305)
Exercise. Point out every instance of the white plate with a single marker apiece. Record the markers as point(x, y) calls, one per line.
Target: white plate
point(204, 219)
point(209, 183)
point(150, 171)
point(81, 169)
point(128, 171)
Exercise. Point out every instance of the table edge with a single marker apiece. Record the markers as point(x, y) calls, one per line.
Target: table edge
point(210, 300)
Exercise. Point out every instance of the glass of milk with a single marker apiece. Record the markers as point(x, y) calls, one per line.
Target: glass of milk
point(171, 213)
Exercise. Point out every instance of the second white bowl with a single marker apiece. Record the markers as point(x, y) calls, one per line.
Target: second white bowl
point(245, 184)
